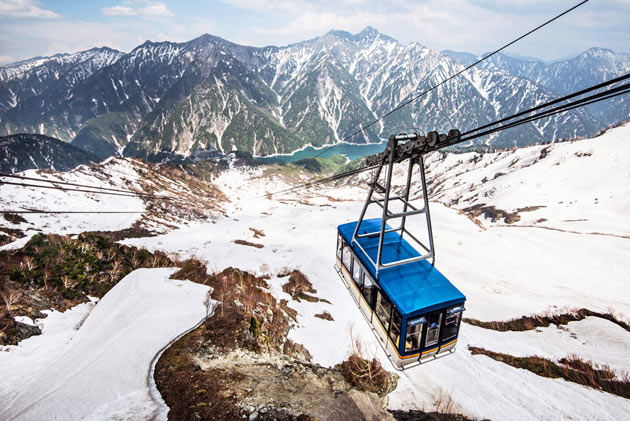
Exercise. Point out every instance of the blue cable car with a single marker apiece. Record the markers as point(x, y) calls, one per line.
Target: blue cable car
point(413, 309)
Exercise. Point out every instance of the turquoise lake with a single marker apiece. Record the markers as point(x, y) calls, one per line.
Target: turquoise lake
point(352, 151)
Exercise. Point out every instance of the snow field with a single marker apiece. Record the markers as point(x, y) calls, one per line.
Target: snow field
point(118, 173)
point(499, 294)
point(505, 272)
point(582, 185)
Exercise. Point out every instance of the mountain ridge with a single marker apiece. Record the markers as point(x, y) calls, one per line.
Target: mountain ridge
point(167, 98)
point(23, 151)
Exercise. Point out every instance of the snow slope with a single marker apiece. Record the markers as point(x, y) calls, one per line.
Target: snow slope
point(118, 174)
point(579, 186)
point(106, 212)
point(504, 272)
point(502, 293)
point(100, 367)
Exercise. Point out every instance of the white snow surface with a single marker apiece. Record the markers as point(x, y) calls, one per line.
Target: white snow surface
point(579, 186)
point(504, 273)
point(98, 365)
point(570, 254)
point(118, 174)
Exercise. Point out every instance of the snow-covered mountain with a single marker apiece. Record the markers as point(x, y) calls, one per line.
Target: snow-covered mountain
point(165, 99)
point(57, 74)
point(567, 76)
point(23, 152)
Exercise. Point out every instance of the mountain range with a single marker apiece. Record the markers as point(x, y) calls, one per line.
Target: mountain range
point(166, 100)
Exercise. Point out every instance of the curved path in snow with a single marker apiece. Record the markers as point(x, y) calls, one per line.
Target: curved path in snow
point(100, 371)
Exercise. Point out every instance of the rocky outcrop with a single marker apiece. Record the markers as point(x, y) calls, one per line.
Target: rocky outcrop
point(351, 405)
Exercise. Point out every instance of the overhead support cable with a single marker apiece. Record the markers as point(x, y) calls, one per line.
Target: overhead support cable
point(590, 100)
point(65, 183)
point(601, 96)
point(33, 211)
point(420, 95)
point(65, 189)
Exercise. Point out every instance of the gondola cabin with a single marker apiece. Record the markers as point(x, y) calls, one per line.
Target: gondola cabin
point(413, 309)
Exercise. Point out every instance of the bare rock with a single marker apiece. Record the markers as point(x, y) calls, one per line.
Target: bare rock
point(352, 405)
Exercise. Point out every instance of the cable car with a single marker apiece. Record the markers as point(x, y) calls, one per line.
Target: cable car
point(413, 309)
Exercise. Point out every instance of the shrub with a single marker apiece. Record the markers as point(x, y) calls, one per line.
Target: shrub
point(58, 271)
point(544, 320)
point(365, 374)
point(298, 284)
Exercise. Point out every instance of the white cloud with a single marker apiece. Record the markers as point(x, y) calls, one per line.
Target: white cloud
point(28, 9)
point(476, 26)
point(150, 10)
point(266, 5)
point(6, 59)
point(55, 36)
point(156, 9)
point(118, 11)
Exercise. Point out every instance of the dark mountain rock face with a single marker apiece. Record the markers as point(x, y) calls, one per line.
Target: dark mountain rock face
point(167, 99)
point(21, 152)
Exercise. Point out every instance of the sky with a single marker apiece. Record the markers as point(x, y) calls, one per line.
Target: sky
point(30, 28)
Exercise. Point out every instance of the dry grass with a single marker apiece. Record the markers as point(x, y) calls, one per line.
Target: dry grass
point(257, 233)
point(419, 415)
point(298, 286)
point(492, 213)
point(248, 316)
point(443, 402)
point(248, 243)
point(135, 231)
point(192, 393)
point(573, 369)
point(544, 320)
point(14, 218)
point(325, 316)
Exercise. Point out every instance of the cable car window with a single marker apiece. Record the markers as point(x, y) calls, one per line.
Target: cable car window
point(394, 333)
point(414, 330)
point(339, 245)
point(368, 289)
point(451, 325)
point(383, 309)
point(433, 330)
point(347, 256)
point(356, 272)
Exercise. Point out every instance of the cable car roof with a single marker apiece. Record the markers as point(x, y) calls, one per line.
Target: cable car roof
point(416, 287)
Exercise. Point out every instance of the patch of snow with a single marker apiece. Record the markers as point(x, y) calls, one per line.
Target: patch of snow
point(25, 320)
